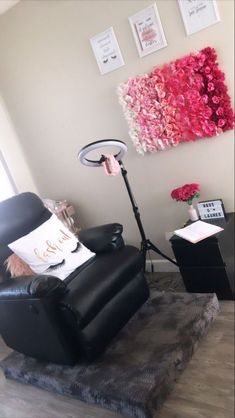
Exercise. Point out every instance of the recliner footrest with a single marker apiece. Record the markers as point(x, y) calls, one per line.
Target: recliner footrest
point(105, 276)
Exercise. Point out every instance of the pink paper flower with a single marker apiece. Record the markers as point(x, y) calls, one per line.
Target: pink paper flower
point(220, 111)
point(207, 70)
point(221, 123)
point(216, 99)
point(211, 86)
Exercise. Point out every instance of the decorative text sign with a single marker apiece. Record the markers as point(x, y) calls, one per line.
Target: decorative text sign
point(107, 52)
point(198, 14)
point(147, 30)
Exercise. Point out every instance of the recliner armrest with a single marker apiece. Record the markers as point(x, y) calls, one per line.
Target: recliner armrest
point(27, 287)
point(103, 238)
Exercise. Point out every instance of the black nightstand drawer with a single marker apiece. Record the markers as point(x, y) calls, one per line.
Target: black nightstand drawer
point(208, 280)
point(201, 254)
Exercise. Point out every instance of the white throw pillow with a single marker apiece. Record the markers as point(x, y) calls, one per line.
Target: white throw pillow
point(51, 249)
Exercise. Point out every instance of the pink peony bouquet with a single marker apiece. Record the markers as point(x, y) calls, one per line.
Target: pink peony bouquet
point(186, 193)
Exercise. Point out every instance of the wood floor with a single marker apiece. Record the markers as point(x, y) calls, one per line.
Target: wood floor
point(204, 390)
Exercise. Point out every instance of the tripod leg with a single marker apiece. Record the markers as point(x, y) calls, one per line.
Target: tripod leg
point(153, 247)
point(144, 249)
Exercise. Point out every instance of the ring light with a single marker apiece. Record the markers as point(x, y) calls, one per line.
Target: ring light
point(122, 149)
point(146, 244)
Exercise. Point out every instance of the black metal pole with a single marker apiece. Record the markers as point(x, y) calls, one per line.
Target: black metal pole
point(146, 244)
point(133, 203)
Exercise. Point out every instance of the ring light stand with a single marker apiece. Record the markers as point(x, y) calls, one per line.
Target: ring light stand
point(146, 244)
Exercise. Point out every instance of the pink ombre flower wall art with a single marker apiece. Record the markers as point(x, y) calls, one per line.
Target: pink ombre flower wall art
point(182, 101)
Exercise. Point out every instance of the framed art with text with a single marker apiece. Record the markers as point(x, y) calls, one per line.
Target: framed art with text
point(211, 209)
point(107, 52)
point(198, 14)
point(147, 30)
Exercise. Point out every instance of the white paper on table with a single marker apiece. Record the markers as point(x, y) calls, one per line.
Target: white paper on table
point(198, 231)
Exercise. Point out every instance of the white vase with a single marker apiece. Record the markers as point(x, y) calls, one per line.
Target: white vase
point(192, 212)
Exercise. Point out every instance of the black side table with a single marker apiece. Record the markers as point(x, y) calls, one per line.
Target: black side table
point(208, 266)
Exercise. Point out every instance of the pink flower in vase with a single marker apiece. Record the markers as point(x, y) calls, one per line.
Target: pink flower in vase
point(186, 193)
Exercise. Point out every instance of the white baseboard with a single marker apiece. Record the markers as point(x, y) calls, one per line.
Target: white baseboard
point(161, 266)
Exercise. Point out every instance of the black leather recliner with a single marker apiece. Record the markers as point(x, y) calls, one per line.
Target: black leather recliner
point(61, 321)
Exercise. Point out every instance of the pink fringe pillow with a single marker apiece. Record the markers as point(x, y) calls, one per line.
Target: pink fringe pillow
point(17, 267)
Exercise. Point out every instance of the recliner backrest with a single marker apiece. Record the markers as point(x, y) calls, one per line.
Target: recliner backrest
point(19, 215)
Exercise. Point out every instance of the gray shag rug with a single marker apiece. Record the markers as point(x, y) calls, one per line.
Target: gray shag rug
point(139, 368)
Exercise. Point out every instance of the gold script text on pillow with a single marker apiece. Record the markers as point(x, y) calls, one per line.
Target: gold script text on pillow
point(52, 248)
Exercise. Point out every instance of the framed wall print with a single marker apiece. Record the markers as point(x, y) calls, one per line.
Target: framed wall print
point(147, 30)
point(211, 209)
point(198, 14)
point(107, 52)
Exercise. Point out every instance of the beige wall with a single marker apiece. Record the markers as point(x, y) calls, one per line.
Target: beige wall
point(59, 102)
point(13, 155)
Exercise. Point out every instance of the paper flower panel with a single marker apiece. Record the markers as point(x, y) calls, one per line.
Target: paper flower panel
point(181, 101)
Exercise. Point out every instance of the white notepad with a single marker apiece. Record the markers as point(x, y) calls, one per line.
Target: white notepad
point(198, 231)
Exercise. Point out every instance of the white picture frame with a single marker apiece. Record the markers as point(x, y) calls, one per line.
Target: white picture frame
point(198, 14)
point(147, 30)
point(106, 50)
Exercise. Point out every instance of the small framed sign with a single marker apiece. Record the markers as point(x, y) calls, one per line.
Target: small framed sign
point(147, 30)
point(198, 14)
point(211, 209)
point(107, 52)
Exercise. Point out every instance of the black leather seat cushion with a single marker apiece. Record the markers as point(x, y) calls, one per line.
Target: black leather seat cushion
point(99, 282)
